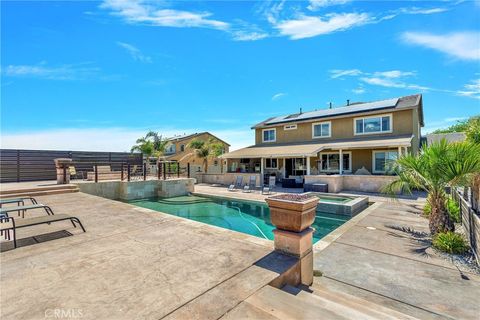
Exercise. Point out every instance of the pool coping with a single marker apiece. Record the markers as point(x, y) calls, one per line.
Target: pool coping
point(327, 239)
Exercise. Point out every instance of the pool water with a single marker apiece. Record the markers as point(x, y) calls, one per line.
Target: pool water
point(333, 199)
point(243, 216)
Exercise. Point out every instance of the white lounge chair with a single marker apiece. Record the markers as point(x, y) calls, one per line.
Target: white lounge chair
point(251, 184)
point(237, 185)
point(271, 185)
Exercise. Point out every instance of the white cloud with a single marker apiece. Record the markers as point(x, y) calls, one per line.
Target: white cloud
point(471, 90)
point(390, 79)
point(460, 45)
point(359, 90)
point(42, 71)
point(245, 35)
point(278, 95)
point(317, 4)
point(107, 139)
point(416, 10)
point(334, 74)
point(134, 52)
point(393, 74)
point(138, 12)
point(308, 26)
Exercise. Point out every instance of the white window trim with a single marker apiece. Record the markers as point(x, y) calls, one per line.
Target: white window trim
point(270, 163)
point(344, 152)
point(269, 129)
point(290, 127)
point(320, 123)
point(369, 117)
point(373, 159)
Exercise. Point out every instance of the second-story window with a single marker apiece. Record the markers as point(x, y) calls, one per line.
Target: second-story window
point(182, 147)
point(321, 130)
point(376, 124)
point(170, 149)
point(269, 135)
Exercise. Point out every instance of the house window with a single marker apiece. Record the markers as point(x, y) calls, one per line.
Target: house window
point(182, 148)
point(290, 127)
point(377, 124)
point(269, 135)
point(271, 163)
point(170, 149)
point(383, 160)
point(330, 162)
point(321, 130)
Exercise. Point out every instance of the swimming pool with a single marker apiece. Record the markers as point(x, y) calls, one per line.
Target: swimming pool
point(243, 216)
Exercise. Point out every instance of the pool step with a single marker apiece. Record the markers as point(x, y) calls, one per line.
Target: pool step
point(38, 191)
point(292, 303)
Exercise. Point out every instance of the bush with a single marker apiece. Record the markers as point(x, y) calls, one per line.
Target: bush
point(427, 209)
point(453, 210)
point(450, 242)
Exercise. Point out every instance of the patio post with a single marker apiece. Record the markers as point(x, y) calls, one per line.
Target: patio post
point(308, 166)
point(399, 151)
point(261, 171)
point(340, 165)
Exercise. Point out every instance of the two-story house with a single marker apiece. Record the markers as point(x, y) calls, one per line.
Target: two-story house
point(178, 149)
point(339, 140)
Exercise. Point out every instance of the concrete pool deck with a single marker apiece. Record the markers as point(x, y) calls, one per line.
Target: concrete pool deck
point(137, 263)
point(131, 263)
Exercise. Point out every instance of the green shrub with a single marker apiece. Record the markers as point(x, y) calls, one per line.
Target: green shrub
point(453, 210)
point(450, 242)
point(427, 209)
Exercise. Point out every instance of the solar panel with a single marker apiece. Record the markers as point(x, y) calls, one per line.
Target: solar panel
point(336, 111)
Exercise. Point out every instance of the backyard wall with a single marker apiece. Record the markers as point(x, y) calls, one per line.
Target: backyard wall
point(471, 223)
point(365, 183)
point(124, 190)
point(227, 178)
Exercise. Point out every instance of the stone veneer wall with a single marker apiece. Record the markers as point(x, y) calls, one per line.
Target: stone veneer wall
point(227, 178)
point(365, 183)
point(124, 190)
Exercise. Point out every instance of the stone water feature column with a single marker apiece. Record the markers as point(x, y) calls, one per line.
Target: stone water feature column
point(293, 215)
point(63, 173)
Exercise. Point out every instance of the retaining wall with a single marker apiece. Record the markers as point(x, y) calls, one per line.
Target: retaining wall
point(124, 190)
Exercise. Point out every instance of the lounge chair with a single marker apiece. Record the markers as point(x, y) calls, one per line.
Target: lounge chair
point(252, 183)
point(237, 185)
point(18, 201)
point(22, 209)
point(9, 223)
point(271, 185)
point(74, 173)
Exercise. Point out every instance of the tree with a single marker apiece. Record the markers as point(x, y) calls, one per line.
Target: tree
point(150, 145)
point(207, 149)
point(436, 167)
point(462, 126)
point(473, 130)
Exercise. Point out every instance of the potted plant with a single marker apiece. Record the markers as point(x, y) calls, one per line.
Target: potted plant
point(292, 212)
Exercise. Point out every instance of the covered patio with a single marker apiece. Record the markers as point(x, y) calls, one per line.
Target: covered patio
point(297, 160)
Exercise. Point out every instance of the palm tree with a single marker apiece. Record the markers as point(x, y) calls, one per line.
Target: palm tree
point(436, 167)
point(151, 145)
point(205, 150)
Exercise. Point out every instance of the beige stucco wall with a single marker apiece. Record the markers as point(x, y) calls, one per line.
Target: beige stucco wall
point(342, 128)
point(337, 183)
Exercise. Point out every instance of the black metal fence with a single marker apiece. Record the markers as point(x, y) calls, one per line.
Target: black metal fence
point(35, 165)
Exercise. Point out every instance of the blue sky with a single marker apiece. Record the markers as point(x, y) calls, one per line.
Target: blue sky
point(96, 75)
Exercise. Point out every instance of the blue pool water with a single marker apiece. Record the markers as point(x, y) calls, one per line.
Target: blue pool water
point(243, 216)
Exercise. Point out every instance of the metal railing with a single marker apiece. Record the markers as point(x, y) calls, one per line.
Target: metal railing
point(125, 171)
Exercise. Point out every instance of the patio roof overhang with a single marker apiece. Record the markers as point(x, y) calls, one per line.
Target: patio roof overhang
point(311, 149)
